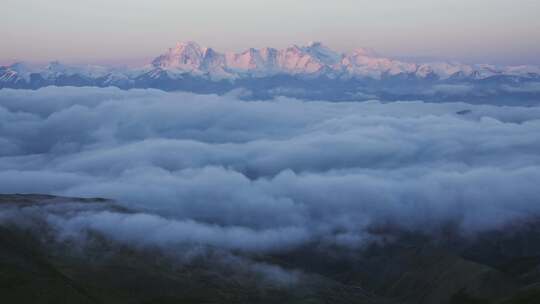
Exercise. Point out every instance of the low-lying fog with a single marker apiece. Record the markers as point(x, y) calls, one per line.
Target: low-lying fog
point(264, 176)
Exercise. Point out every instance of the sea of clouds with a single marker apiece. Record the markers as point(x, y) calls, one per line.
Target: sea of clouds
point(264, 176)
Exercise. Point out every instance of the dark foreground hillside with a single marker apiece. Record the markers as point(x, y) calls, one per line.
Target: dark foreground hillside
point(38, 266)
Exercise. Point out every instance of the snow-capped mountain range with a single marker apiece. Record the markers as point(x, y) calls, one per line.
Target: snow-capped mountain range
point(314, 59)
point(311, 68)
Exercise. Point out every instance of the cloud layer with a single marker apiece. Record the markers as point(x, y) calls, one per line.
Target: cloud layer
point(263, 176)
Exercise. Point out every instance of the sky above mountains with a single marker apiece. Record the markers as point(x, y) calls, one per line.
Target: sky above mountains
point(122, 31)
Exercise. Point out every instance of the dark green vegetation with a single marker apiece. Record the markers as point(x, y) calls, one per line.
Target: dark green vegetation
point(491, 268)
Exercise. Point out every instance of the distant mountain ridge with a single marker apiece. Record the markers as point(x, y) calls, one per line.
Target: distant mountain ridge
point(314, 69)
point(316, 59)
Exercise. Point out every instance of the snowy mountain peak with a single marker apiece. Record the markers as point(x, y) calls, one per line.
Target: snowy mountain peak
point(365, 52)
point(20, 67)
point(313, 59)
point(181, 45)
point(54, 65)
point(315, 44)
point(185, 56)
point(189, 59)
point(323, 53)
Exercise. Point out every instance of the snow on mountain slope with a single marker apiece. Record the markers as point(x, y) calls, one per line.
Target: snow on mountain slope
point(186, 56)
point(364, 63)
point(8, 75)
point(189, 59)
point(55, 69)
point(315, 59)
point(323, 53)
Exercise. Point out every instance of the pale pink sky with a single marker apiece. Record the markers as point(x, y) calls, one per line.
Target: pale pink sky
point(127, 31)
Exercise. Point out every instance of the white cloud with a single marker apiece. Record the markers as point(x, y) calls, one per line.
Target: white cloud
point(450, 89)
point(260, 176)
point(529, 87)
